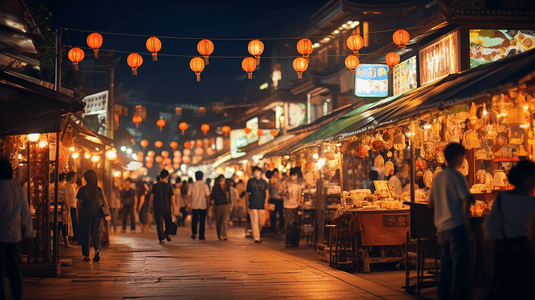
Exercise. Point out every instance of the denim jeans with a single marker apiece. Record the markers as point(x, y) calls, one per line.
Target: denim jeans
point(454, 264)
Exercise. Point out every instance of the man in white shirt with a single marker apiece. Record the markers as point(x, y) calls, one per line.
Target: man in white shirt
point(71, 199)
point(450, 198)
point(198, 199)
point(14, 210)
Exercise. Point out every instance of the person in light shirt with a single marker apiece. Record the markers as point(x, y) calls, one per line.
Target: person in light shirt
point(198, 200)
point(71, 199)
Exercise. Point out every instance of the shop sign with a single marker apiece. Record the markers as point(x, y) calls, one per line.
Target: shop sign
point(371, 81)
point(396, 220)
point(404, 76)
point(488, 45)
point(298, 114)
point(253, 135)
point(265, 137)
point(238, 139)
point(96, 112)
point(439, 58)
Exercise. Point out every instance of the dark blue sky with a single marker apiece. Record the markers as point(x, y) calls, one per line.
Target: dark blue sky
point(170, 80)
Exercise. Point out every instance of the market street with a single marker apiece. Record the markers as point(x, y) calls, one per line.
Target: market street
point(135, 266)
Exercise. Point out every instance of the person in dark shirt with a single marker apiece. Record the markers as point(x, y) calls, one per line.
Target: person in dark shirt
point(128, 202)
point(258, 197)
point(163, 198)
point(220, 197)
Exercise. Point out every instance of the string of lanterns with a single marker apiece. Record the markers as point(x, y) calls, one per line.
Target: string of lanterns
point(205, 47)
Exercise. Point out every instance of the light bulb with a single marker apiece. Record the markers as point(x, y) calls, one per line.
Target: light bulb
point(33, 137)
point(75, 155)
point(95, 158)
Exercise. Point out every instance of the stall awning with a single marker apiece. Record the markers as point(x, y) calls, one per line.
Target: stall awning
point(86, 137)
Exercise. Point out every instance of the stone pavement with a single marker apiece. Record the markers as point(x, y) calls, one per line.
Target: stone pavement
point(135, 266)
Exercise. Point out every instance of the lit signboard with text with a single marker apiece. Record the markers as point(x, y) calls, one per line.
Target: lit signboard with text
point(404, 76)
point(238, 139)
point(440, 58)
point(371, 80)
point(487, 45)
point(253, 125)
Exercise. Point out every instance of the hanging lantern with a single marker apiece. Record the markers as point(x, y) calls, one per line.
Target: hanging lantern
point(186, 159)
point(198, 151)
point(177, 159)
point(178, 111)
point(197, 65)
point(183, 126)
point(260, 132)
point(94, 41)
point(173, 145)
point(177, 153)
point(205, 128)
point(248, 64)
point(148, 165)
point(151, 153)
point(226, 130)
point(154, 45)
point(149, 159)
point(134, 60)
point(210, 151)
point(176, 166)
point(165, 153)
point(207, 142)
point(76, 55)
point(158, 159)
point(187, 152)
point(392, 59)
point(256, 48)
point(137, 120)
point(300, 65)
point(144, 143)
point(355, 43)
point(201, 110)
point(352, 62)
point(205, 48)
point(158, 144)
point(247, 130)
point(304, 47)
point(160, 123)
point(198, 143)
point(274, 132)
point(187, 145)
point(401, 38)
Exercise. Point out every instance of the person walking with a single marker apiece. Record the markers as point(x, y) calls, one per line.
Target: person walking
point(258, 198)
point(163, 198)
point(178, 201)
point(198, 199)
point(220, 197)
point(274, 198)
point(183, 203)
point(14, 211)
point(293, 199)
point(90, 199)
point(143, 207)
point(509, 225)
point(71, 199)
point(63, 211)
point(450, 198)
point(115, 205)
point(128, 202)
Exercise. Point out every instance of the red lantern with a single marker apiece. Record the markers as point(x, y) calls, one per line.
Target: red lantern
point(176, 166)
point(161, 124)
point(173, 145)
point(260, 132)
point(177, 153)
point(226, 130)
point(149, 159)
point(274, 132)
point(401, 38)
point(76, 55)
point(154, 45)
point(158, 144)
point(198, 143)
point(165, 153)
point(137, 120)
point(355, 43)
point(256, 48)
point(158, 159)
point(205, 48)
point(392, 59)
point(248, 64)
point(186, 159)
point(300, 65)
point(148, 165)
point(205, 128)
point(352, 62)
point(197, 65)
point(94, 41)
point(151, 153)
point(167, 161)
point(187, 145)
point(134, 60)
point(187, 152)
point(304, 47)
point(144, 143)
point(198, 151)
point(247, 130)
point(183, 126)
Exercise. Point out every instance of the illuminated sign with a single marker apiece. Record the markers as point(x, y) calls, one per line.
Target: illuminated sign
point(404, 76)
point(439, 58)
point(487, 45)
point(371, 81)
point(253, 125)
point(96, 112)
point(238, 139)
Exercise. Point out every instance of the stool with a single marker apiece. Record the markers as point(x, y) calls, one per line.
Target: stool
point(341, 246)
point(422, 279)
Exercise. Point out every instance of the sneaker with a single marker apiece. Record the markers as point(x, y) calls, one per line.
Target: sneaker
point(168, 238)
point(201, 239)
point(258, 241)
point(86, 258)
point(224, 239)
point(97, 256)
point(193, 236)
point(162, 242)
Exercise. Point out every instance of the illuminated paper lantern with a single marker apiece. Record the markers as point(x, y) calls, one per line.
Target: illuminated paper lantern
point(205, 128)
point(183, 126)
point(304, 47)
point(355, 43)
point(76, 55)
point(401, 38)
point(300, 65)
point(154, 45)
point(161, 124)
point(158, 144)
point(226, 130)
point(248, 64)
point(256, 48)
point(173, 145)
point(94, 41)
point(197, 65)
point(352, 62)
point(137, 120)
point(205, 48)
point(134, 60)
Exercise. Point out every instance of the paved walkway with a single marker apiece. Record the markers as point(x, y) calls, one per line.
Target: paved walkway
point(135, 266)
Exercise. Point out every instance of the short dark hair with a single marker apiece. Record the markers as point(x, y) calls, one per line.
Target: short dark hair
point(269, 174)
point(164, 174)
point(61, 176)
point(199, 175)
point(70, 175)
point(523, 169)
point(6, 170)
point(275, 170)
point(257, 168)
point(294, 171)
point(374, 175)
point(128, 179)
point(452, 151)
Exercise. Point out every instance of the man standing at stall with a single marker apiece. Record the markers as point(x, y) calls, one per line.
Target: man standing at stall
point(258, 196)
point(450, 198)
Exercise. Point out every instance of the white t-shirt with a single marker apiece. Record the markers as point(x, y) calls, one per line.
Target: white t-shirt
point(198, 192)
point(71, 194)
point(294, 194)
point(447, 194)
point(14, 209)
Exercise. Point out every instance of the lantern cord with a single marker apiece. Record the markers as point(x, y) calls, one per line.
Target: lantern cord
point(221, 39)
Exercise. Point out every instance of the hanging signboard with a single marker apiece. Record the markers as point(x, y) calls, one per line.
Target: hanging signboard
point(252, 124)
point(488, 45)
point(404, 76)
point(439, 58)
point(238, 139)
point(371, 80)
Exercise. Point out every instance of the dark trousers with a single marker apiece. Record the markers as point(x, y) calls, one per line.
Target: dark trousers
point(114, 214)
point(293, 226)
point(198, 215)
point(90, 219)
point(278, 209)
point(129, 210)
point(74, 224)
point(180, 220)
point(160, 218)
point(454, 264)
point(10, 261)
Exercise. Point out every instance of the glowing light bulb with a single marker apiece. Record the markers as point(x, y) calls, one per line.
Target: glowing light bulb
point(95, 158)
point(75, 155)
point(33, 137)
point(315, 156)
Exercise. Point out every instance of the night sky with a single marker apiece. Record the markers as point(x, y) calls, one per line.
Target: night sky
point(170, 80)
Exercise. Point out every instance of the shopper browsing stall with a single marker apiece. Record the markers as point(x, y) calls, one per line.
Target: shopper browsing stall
point(258, 198)
point(292, 201)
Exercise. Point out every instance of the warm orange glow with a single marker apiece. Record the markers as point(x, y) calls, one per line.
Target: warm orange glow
point(137, 120)
point(186, 159)
point(158, 159)
point(187, 145)
point(401, 38)
point(226, 130)
point(304, 47)
point(199, 143)
point(274, 132)
point(134, 60)
point(355, 43)
point(205, 128)
point(352, 62)
point(260, 132)
point(158, 144)
point(154, 45)
point(392, 59)
point(94, 41)
point(144, 143)
point(183, 127)
point(247, 130)
point(300, 65)
point(256, 48)
point(76, 55)
point(248, 64)
point(205, 48)
point(173, 145)
point(161, 124)
point(197, 65)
